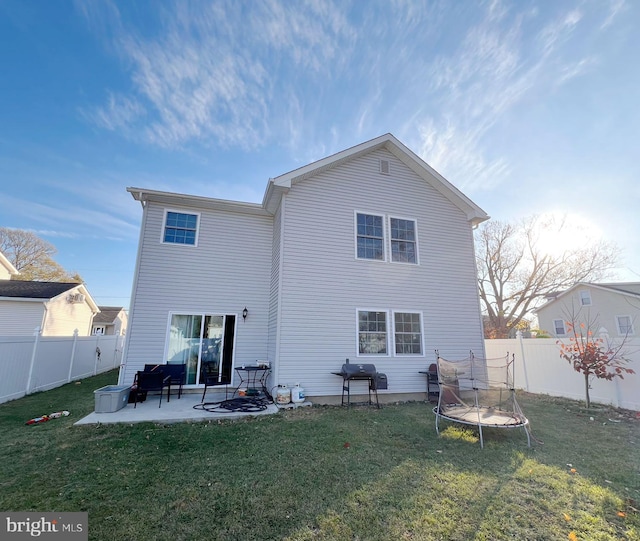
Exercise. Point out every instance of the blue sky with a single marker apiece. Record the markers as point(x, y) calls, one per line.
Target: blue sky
point(527, 107)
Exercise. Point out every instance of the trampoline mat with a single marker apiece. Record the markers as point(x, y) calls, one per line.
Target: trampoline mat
point(485, 416)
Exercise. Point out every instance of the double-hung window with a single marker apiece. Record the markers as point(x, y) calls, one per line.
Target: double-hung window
point(403, 240)
point(585, 297)
point(377, 234)
point(407, 330)
point(370, 236)
point(558, 327)
point(180, 228)
point(625, 325)
point(372, 332)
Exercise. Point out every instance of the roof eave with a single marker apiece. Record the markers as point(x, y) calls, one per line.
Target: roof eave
point(195, 201)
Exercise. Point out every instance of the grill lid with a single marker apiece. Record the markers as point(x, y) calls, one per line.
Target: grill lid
point(352, 370)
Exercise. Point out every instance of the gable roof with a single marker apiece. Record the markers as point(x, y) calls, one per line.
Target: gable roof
point(282, 184)
point(8, 265)
point(107, 315)
point(388, 142)
point(42, 291)
point(623, 288)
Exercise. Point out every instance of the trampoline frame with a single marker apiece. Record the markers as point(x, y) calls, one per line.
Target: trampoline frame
point(476, 414)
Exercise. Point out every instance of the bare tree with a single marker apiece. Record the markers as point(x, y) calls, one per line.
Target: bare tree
point(33, 257)
point(515, 272)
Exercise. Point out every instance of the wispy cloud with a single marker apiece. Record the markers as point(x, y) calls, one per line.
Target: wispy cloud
point(207, 75)
point(496, 66)
point(616, 7)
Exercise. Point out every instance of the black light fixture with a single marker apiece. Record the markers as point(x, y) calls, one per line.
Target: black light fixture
point(245, 313)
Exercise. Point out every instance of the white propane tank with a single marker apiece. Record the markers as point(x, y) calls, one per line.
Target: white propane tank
point(283, 395)
point(297, 394)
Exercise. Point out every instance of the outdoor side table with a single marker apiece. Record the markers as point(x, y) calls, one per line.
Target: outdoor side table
point(253, 377)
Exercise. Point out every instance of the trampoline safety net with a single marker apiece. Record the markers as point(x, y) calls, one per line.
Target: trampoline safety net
point(479, 392)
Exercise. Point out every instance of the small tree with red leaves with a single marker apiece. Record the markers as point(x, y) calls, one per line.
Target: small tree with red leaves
point(593, 357)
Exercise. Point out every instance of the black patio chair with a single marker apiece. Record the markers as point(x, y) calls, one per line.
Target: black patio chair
point(210, 376)
point(177, 372)
point(152, 381)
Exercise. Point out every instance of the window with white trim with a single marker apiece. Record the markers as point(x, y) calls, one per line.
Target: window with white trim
point(370, 236)
point(403, 240)
point(180, 228)
point(407, 332)
point(372, 332)
point(585, 297)
point(558, 327)
point(625, 325)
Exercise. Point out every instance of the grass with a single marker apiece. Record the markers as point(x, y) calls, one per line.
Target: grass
point(325, 473)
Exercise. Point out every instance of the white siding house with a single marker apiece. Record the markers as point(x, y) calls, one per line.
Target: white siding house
point(614, 307)
point(56, 308)
point(367, 255)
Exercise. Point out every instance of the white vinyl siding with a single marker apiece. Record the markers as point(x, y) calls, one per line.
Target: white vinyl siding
point(323, 287)
point(229, 269)
point(610, 305)
point(20, 318)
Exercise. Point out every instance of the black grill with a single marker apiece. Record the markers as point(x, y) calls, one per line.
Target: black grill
point(366, 372)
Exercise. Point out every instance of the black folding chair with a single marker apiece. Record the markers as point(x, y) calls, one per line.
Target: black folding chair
point(152, 381)
point(211, 377)
point(177, 373)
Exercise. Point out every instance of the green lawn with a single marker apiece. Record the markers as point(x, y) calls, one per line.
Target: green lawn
point(325, 473)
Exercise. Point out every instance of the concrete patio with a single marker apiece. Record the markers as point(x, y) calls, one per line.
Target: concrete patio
point(175, 411)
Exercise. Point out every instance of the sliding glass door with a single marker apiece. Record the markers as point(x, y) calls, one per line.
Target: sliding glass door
point(196, 338)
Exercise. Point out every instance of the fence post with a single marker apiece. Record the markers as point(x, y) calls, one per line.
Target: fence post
point(604, 336)
point(97, 355)
point(73, 354)
point(524, 365)
point(36, 340)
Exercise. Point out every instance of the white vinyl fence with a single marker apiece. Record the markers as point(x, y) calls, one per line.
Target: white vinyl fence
point(38, 363)
point(539, 369)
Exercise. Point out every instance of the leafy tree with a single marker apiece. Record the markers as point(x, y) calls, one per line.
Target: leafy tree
point(516, 273)
point(33, 257)
point(593, 357)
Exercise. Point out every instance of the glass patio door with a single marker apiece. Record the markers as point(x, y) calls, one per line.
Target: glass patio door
point(195, 338)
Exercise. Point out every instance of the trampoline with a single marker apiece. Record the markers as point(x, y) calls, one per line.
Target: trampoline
point(479, 392)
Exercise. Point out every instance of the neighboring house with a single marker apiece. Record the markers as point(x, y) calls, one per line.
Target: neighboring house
point(111, 320)
point(614, 307)
point(57, 308)
point(366, 254)
point(7, 270)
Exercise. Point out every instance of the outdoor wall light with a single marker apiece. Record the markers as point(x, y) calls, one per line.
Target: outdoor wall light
point(245, 313)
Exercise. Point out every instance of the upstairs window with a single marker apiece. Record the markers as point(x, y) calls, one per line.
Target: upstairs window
point(370, 236)
point(403, 241)
point(180, 228)
point(625, 325)
point(558, 327)
point(585, 297)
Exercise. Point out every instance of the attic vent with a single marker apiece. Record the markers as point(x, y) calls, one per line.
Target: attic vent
point(384, 167)
point(76, 297)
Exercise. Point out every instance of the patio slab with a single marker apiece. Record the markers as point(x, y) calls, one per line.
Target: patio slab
point(176, 411)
